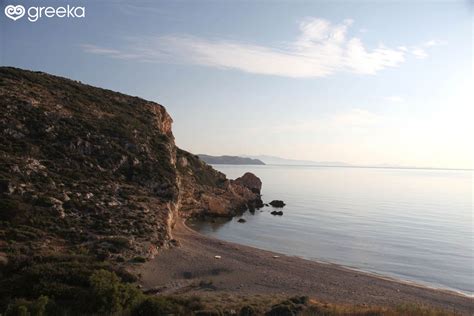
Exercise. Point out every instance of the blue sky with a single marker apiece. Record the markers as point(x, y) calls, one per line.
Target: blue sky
point(360, 82)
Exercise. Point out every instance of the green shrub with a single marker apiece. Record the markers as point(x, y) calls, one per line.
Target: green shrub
point(192, 303)
point(247, 310)
point(8, 209)
point(139, 259)
point(110, 294)
point(120, 242)
point(158, 306)
point(22, 307)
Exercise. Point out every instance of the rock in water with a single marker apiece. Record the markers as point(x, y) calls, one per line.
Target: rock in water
point(241, 220)
point(277, 203)
point(279, 213)
point(251, 181)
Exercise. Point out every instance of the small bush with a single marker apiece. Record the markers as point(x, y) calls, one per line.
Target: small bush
point(139, 259)
point(22, 307)
point(119, 242)
point(110, 295)
point(158, 306)
point(8, 209)
point(191, 303)
point(247, 310)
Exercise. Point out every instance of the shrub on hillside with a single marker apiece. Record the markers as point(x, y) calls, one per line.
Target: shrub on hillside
point(110, 295)
point(158, 306)
point(22, 307)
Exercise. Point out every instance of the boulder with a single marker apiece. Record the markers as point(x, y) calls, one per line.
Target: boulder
point(241, 220)
point(279, 213)
point(250, 181)
point(277, 203)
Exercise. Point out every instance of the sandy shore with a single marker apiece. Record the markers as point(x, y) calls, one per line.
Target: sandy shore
point(244, 270)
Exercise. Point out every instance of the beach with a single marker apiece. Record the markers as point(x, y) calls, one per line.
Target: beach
point(193, 268)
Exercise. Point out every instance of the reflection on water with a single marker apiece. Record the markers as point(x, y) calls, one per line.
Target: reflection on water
point(410, 224)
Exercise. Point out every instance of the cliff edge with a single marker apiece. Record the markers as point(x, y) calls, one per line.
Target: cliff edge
point(90, 172)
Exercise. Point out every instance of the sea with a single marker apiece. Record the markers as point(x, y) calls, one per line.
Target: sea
point(414, 225)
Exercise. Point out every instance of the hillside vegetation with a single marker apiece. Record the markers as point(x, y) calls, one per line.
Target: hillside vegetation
point(91, 185)
point(91, 180)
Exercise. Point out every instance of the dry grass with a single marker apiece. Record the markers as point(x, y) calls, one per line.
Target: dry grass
point(320, 309)
point(229, 303)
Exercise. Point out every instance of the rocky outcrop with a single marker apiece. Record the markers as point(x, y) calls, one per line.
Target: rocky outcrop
point(249, 180)
point(205, 191)
point(92, 168)
point(277, 203)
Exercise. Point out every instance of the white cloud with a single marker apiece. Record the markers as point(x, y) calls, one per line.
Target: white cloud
point(419, 53)
point(434, 42)
point(346, 122)
point(354, 118)
point(394, 99)
point(114, 53)
point(101, 51)
point(321, 49)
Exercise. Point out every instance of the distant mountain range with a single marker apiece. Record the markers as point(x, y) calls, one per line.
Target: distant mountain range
point(230, 160)
point(273, 160)
point(265, 160)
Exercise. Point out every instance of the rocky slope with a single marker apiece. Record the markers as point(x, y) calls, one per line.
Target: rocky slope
point(88, 170)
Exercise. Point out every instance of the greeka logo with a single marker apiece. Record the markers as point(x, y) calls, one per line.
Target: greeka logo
point(16, 12)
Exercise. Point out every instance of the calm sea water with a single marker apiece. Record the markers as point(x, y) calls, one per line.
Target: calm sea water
point(414, 225)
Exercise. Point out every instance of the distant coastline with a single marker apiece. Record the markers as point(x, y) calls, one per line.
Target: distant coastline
point(229, 160)
point(274, 160)
point(372, 167)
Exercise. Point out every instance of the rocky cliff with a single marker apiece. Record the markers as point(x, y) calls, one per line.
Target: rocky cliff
point(91, 170)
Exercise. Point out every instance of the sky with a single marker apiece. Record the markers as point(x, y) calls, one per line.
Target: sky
point(360, 82)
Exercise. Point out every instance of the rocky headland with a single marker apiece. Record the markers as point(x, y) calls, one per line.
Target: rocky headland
point(93, 198)
point(94, 175)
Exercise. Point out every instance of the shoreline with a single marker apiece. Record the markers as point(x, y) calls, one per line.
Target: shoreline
point(380, 275)
point(375, 274)
point(354, 269)
point(245, 270)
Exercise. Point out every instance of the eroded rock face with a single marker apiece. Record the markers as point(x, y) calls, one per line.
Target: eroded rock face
point(86, 166)
point(205, 191)
point(93, 165)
